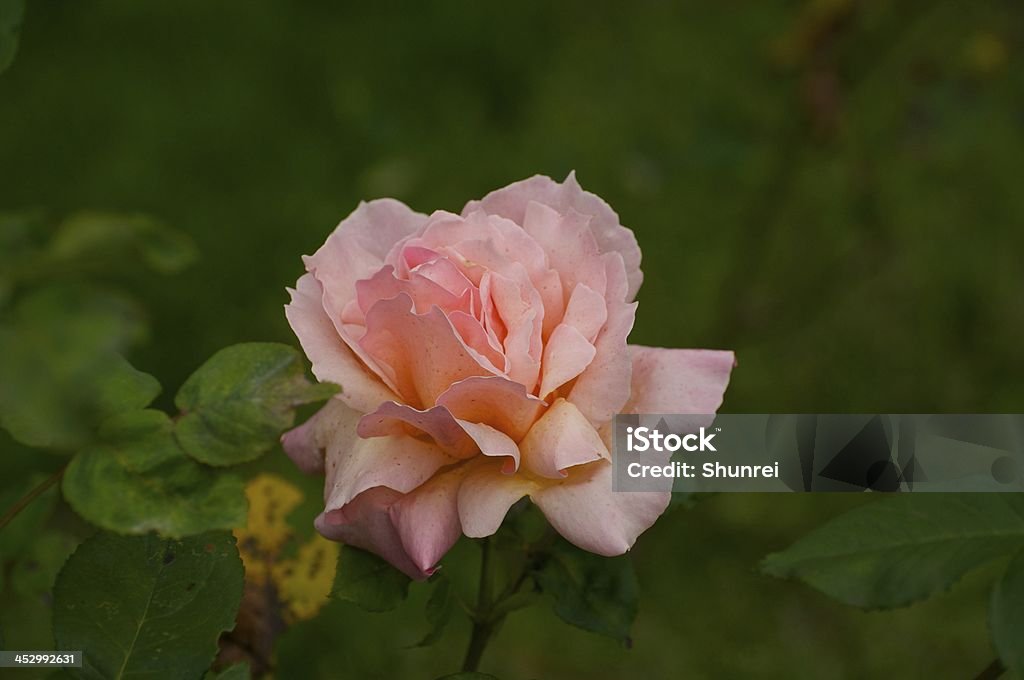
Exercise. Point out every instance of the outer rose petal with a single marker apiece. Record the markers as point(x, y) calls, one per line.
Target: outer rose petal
point(512, 200)
point(411, 531)
point(401, 463)
point(356, 250)
point(678, 380)
point(306, 444)
point(366, 523)
point(357, 247)
point(427, 519)
point(584, 509)
point(332, 359)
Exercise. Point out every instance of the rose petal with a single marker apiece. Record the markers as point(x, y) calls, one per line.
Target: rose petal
point(587, 311)
point(519, 307)
point(678, 380)
point(566, 355)
point(493, 443)
point(549, 287)
point(489, 317)
point(333, 360)
point(423, 292)
point(457, 438)
point(570, 245)
point(511, 244)
point(504, 405)
point(584, 509)
point(479, 340)
point(412, 256)
point(366, 523)
point(485, 497)
point(511, 202)
point(307, 443)
point(444, 229)
point(514, 244)
point(561, 439)
point(600, 391)
point(427, 519)
point(444, 273)
point(423, 352)
point(357, 247)
point(617, 289)
point(398, 462)
point(391, 418)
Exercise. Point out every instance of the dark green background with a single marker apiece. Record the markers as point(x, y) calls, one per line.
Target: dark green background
point(832, 188)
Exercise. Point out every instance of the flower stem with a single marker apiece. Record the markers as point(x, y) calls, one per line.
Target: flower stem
point(31, 496)
point(483, 623)
point(490, 611)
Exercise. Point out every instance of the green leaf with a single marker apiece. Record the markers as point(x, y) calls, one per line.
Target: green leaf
point(1007, 616)
point(142, 606)
point(473, 675)
point(140, 480)
point(439, 610)
point(11, 12)
point(368, 581)
point(595, 593)
point(903, 548)
point(240, 671)
point(237, 404)
point(106, 240)
point(63, 373)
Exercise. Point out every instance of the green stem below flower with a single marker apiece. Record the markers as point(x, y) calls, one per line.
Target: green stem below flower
point(483, 621)
point(490, 612)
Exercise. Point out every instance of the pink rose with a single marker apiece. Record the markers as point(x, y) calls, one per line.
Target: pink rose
point(482, 357)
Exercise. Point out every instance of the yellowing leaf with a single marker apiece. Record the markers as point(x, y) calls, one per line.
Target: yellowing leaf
point(299, 585)
point(304, 583)
point(271, 498)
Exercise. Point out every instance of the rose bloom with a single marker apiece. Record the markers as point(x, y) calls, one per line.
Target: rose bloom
point(482, 357)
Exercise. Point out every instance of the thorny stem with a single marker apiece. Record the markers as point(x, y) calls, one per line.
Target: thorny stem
point(31, 496)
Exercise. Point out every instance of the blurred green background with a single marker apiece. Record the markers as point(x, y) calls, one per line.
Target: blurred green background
point(831, 188)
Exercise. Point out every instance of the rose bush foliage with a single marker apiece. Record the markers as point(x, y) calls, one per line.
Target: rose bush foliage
point(482, 357)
